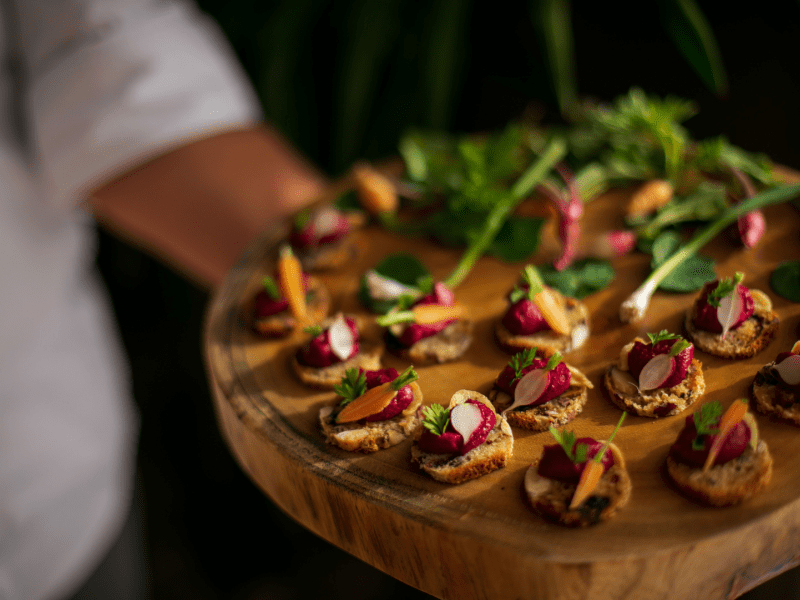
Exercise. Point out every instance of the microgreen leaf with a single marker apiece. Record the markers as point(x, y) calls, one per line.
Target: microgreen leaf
point(521, 360)
point(785, 280)
point(517, 294)
point(705, 422)
point(351, 386)
point(531, 276)
point(302, 219)
point(679, 347)
point(435, 418)
point(661, 335)
point(313, 330)
point(554, 361)
point(724, 288)
point(271, 287)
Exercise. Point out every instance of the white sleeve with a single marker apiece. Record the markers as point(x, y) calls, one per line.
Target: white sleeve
point(113, 82)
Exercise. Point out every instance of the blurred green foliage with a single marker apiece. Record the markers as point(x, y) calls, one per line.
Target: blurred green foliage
point(345, 79)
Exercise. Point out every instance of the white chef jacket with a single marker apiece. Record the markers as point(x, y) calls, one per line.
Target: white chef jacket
point(87, 88)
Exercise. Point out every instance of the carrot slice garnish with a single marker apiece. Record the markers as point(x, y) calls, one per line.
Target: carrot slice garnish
point(547, 302)
point(376, 399)
point(372, 402)
point(729, 420)
point(590, 477)
point(290, 274)
point(796, 347)
point(593, 471)
point(427, 314)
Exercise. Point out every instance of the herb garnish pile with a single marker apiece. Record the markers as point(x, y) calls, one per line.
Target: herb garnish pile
point(468, 188)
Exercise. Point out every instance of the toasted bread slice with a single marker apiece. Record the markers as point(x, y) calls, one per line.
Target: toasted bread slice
point(747, 340)
point(557, 412)
point(551, 497)
point(773, 397)
point(493, 454)
point(371, 436)
point(282, 324)
point(730, 483)
point(663, 402)
point(448, 345)
point(578, 316)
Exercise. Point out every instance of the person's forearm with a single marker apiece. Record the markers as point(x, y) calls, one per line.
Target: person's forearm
point(198, 206)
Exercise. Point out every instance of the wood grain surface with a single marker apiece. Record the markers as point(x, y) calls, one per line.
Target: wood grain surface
point(480, 539)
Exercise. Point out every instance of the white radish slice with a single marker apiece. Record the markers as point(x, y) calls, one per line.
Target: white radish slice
point(324, 221)
point(656, 371)
point(384, 288)
point(466, 418)
point(341, 338)
point(530, 388)
point(789, 369)
point(729, 309)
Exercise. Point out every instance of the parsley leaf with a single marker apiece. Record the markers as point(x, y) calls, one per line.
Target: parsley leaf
point(351, 386)
point(436, 418)
point(724, 288)
point(566, 439)
point(705, 422)
point(521, 360)
point(313, 330)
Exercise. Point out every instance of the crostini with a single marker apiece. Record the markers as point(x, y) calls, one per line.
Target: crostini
point(578, 481)
point(541, 317)
point(462, 441)
point(290, 300)
point(334, 347)
point(730, 320)
point(775, 390)
point(537, 390)
point(322, 237)
point(374, 409)
point(719, 458)
point(655, 378)
point(434, 329)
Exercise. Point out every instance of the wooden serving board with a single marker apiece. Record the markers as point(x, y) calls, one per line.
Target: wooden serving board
point(480, 539)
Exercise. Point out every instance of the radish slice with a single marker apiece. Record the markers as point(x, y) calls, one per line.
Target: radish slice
point(729, 309)
point(341, 338)
point(324, 221)
point(656, 371)
point(384, 288)
point(789, 369)
point(466, 418)
point(530, 388)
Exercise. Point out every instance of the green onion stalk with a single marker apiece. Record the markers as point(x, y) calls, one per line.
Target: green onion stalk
point(634, 307)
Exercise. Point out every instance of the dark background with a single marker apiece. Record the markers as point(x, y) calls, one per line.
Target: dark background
point(210, 532)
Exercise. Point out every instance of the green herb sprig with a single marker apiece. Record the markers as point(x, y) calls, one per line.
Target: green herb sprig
point(724, 288)
point(353, 385)
point(567, 440)
point(705, 422)
point(272, 289)
point(435, 418)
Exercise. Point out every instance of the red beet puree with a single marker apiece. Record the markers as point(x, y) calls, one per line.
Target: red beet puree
point(559, 380)
point(734, 445)
point(555, 464)
point(318, 353)
point(706, 315)
point(524, 318)
point(641, 354)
